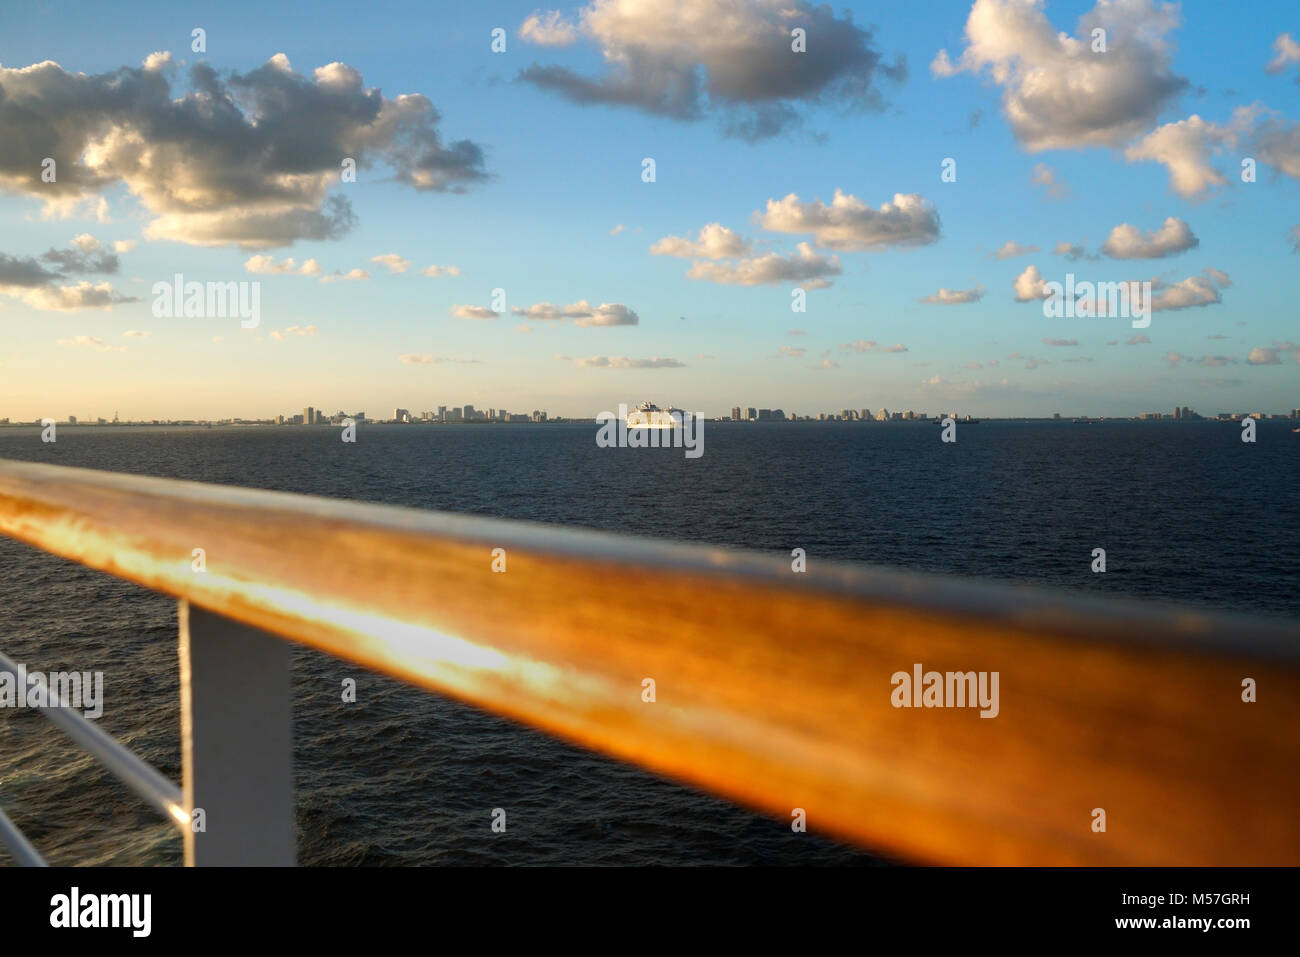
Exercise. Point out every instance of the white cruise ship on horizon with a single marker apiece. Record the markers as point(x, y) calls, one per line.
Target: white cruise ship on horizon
point(647, 415)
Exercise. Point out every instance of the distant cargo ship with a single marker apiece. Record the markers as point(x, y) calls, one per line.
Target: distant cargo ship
point(647, 415)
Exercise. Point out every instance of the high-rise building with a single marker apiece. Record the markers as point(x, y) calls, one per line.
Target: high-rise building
point(735, 413)
point(751, 413)
point(401, 415)
point(308, 415)
point(864, 414)
point(468, 412)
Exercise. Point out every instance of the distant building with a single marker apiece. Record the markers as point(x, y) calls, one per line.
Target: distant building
point(72, 420)
point(308, 415)
point(751, 413)
point(401, 415)
point(735, 413)
point(864, 414)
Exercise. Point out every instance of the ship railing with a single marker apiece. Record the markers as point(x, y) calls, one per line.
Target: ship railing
point(1119, 733)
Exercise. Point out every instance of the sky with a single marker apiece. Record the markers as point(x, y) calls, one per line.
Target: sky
point(915, 174)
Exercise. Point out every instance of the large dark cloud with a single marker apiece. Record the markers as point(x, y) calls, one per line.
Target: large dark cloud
point(683, 58)
point(244, 158)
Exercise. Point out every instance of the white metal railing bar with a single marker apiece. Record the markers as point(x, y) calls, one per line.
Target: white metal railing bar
point(19, 846)
point(137, 774)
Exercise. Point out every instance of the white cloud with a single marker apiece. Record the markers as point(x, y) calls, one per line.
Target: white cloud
point(1044, 176)
point(279, 336)
point(1029, 285)
point(1057, 93)
point(1184, 294)
point(548, 30)
point(1218, 277)
point(850, 224)
point(1184, 147)
point(435, 272)
point(353, 275)
point(473, 312)
point(870, 345)
point(715, 241)
point(582, 312)
point(1277, 143)
point(1285, 50)
point(803, 266)
point(395, 263)
point(1272, 355)
point(416, 359)
point(623, 362)
point(609, 314)
point(266, 265)
point(954, 297)
point(135, 334)
point(83, 295)
point(1011, 249)
point(1128, 242)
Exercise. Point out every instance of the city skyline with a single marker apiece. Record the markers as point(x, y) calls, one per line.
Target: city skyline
point(469, 414)
point(499, 236)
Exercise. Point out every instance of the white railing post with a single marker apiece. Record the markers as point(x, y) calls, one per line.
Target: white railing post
point(237, 742)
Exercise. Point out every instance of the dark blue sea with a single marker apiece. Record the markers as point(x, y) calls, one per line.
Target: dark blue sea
point(1185, 511)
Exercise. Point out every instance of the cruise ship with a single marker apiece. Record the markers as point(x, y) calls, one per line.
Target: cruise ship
point(647, 415)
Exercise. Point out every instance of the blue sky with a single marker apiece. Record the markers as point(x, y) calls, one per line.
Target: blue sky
point(561, 175)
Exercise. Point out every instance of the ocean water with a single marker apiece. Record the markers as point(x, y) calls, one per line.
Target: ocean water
point(1185, 511)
